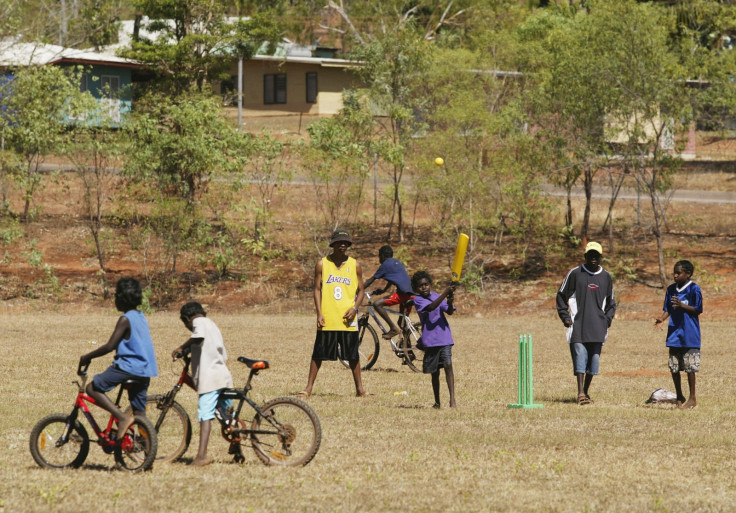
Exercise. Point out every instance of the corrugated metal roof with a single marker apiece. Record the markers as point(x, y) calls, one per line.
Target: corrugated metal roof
point(13, 53)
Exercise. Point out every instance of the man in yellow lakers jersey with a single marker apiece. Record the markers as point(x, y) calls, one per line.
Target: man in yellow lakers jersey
point(338, 292)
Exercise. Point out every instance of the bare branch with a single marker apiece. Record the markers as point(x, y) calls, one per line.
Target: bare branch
point(345, 17)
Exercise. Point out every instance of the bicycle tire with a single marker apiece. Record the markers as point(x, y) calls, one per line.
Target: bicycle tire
point(43, 443)
point(138, 452)
point(296, 433)
point(368, 347)
point(412, 354)
point(173, 429)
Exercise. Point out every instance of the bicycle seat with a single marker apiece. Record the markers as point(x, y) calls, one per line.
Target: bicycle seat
point(132, 381)
point(254, 364)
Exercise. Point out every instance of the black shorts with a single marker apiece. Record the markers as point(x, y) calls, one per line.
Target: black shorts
point(436, 357)
point(326, 345)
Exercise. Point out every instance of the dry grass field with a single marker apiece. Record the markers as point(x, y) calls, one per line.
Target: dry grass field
point(395, 453)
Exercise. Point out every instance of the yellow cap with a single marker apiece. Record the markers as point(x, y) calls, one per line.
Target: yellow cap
point(594, 246)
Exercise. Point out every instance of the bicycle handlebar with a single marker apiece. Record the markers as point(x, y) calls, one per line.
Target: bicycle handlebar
point(82, 370)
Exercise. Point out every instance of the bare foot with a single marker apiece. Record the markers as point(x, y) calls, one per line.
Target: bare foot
point(200, 462)
point(690, 404)
point(124, 425)
point(436, 406)
point(363, 394)
point(453, 404)
point(303, 394)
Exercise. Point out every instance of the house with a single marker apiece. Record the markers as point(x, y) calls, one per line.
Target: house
point(108, 78)
point(295, 80)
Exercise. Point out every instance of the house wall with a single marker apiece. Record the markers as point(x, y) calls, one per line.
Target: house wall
point(330, 84)
point(115, 108)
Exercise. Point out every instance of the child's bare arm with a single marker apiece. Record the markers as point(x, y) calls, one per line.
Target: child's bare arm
point(450, 302)
point(118, 334)
point(659, 321)
point(186, 345)
point(445, 293)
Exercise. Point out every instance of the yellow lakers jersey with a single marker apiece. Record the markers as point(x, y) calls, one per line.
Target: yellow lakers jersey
point(339, 286)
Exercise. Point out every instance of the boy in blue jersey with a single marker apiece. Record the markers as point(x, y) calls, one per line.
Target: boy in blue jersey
point(394, 272)
point(134, 356)
point(683, 303)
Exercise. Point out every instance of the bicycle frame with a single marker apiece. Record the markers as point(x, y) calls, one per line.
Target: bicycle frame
point(164, 404)
point(404, 322)
point(241, 395)
point(103, 436)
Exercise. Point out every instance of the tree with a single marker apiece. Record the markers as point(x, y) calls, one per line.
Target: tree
point(653, 102)
point(336, 158)
point(178, 144)
point(267, 168)
point(393, 64)
point(95, 154)
point(194, 42)
point(570, 100)
point(36, 105)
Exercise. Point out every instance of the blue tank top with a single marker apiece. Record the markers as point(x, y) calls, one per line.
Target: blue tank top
point(135, 354)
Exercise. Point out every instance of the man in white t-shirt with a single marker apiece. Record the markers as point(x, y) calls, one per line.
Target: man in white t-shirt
point(209, 372)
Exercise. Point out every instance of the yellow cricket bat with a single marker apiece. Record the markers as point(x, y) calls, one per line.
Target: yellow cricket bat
point(457, 263)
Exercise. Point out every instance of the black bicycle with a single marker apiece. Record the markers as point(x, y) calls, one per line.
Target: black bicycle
point(284, 431)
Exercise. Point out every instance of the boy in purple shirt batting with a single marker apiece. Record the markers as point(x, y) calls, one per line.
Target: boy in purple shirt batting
point(436, 334)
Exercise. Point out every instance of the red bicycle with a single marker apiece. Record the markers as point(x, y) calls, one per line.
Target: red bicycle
point(61, 441)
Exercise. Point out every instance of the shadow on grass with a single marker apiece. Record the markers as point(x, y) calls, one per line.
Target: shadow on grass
point(379, 369)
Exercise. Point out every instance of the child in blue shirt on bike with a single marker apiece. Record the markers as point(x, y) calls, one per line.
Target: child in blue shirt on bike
point(134, 356)
point(683, 304)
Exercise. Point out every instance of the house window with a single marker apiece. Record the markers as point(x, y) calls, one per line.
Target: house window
point(274, 88)
point(109, 87)
point(312, 89)
point(110, 84)
point(83, 87)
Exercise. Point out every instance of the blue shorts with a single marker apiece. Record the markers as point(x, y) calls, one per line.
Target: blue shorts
point(586, 357)
point(112, 377)
point(208, 402)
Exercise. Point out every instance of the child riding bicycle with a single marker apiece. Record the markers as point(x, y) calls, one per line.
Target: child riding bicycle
point(395, 274)
point(134, 356)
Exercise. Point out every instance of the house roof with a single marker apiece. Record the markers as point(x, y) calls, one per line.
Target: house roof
point(13, 53)
point(283, 51)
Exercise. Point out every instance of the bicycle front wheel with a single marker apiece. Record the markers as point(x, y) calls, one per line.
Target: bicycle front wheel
point(173, 428)
point(137, 450)
point(48, 449)
point(287, 432)
point(368, 347)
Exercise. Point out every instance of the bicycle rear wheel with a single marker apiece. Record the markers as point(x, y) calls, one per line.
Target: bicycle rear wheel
point(137, 451)
point(173, 428)
point(411, 349)
point(47, 449)
point(288, 433)
point(368, 347)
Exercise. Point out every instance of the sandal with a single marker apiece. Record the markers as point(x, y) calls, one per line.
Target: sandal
point(583, 400)
point(303, 394)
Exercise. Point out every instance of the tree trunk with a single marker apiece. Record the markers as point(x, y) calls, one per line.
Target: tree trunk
point(588, 185)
